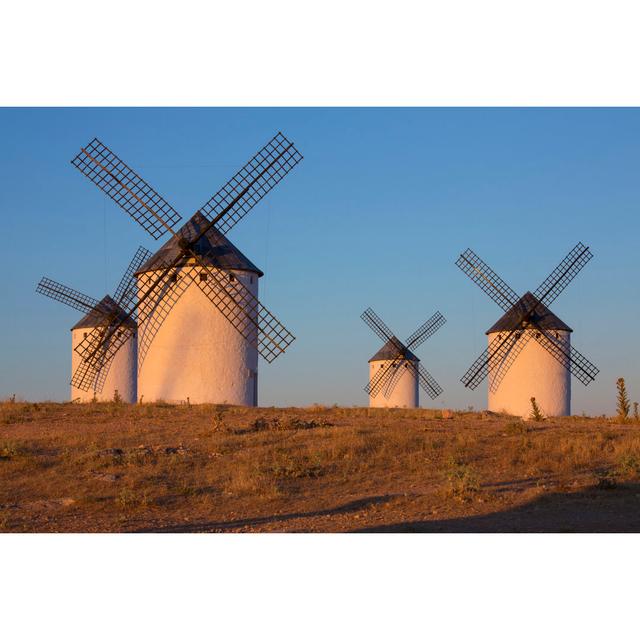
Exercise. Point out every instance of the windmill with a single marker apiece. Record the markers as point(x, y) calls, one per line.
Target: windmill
point(529, 351)
point(207, 348)
point(394, 370)
point(117, 374)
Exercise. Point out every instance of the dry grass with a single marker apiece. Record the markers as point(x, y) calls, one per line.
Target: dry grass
point(116, 467)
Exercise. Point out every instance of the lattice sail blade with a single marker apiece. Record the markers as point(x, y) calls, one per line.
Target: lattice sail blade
point(584, 370)
point(126, 188)
point(66, 295)
point(126, 292)
point(255, 323)
point(425, 331)
point(487, 279)
point(166, 289)
point(393, 381)
point(97, 350)
point(376, 324)
point(502, 362)
point(382, 377)
point(563, 274)
point(247, 187)
point(489, 359)
point(427, 381)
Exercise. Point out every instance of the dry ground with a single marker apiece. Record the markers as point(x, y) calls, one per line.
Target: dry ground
point(114, 467)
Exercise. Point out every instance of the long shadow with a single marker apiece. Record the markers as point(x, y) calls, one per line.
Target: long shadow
point(198, 527)
point(593, 510)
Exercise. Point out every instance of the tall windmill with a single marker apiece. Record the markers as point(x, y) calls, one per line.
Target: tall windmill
point(394, 371)
point(529, 351)
point(117, 374)
point(207, 348)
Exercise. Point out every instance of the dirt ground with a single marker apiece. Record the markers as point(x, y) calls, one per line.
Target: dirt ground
point(168, 468)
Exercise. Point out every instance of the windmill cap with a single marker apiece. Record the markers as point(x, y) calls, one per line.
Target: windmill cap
point(98, 316)
point(213, 249)
point(542, 316)
point(390, 351)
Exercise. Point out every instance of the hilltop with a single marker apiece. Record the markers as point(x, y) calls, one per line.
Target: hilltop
point(159, 467)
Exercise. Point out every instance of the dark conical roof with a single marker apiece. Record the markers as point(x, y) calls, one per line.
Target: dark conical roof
point(390, 351)
point(97, 317)
point(542, 316)
point(214, 249)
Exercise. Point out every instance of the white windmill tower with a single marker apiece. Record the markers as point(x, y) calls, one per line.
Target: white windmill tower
point(116, 377)
point(394, 371)
point(529, 352)
point(201, 326)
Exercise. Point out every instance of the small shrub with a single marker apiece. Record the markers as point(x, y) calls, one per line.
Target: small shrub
point(536, 414)
point(217, 422)
point(463, 480)
point(623, 405)
point(629, 464)
point(8, 450)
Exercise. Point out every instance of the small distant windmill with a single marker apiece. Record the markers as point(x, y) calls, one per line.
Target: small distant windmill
point(198, 351)
point(529, 342)
point(394, 370)
point(116, 374)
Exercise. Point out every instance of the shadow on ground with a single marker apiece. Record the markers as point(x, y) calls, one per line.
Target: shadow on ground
point(196, 527)
point(593, 510)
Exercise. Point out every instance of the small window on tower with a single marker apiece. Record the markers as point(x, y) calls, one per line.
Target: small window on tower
point(174, 277)
point(537, 335)
point(232, 277)
point(557, 335)
point(84, 335)
point(203, 276)
point(250, 279)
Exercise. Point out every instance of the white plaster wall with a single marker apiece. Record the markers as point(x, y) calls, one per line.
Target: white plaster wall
point(197, 353)
point(122, 372)
point(405, 393)
point(535, 372)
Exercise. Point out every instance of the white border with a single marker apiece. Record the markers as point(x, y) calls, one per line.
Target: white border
point(335, 52)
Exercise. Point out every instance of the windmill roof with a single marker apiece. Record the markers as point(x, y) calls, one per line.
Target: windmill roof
point(214, 249)
point(390, 350)
point(98, 315)
point(542, 316)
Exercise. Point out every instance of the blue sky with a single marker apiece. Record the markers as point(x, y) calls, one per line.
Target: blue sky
point(375, 215)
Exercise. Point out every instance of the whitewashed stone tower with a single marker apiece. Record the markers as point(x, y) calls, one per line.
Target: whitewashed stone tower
point(193, 351)
point(405, 392)
point(120, 372)
point(535, 372)
point(394, 371)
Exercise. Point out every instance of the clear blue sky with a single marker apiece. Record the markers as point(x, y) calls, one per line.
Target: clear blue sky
point(375, 215)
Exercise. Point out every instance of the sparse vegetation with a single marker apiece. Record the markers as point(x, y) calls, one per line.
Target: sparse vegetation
point(120, 467)
point(622, 404)
point(536, 414)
